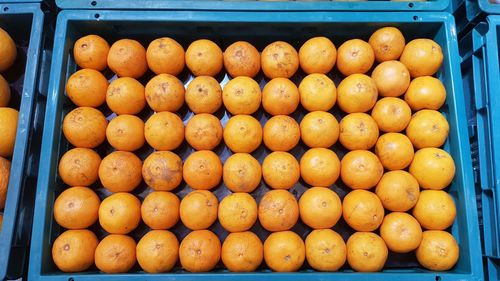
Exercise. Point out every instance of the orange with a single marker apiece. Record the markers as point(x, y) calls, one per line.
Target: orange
point(120, 213)
point(241, 95)
point(280, 170)
point(198, 209)
point(357, 93)
point(319, 129)
point(237, 212)
point(4, 92)
point(120, 171)
point(8, 130)
point(422, 57)
point(164, 92)
point(281, 133)
point(87, 87)
point(202, 170)
point(7, 49)
point(366, 252)
point(354, 56)
point(280, 96)
point(115, 254)
point(157, 251)
point(204, 95)
point(362, 210)
point(358, 131)
point(433, 168)
point(284, 251)
point(160, 210)
point(73, 250)
point(242, 252)
point(279, 59)
point(242, 59)
point(79, 167)
point(125, 96)
point(127, 58)
point(91, 51)
point(243, 133)
point(387, 43)
point(361, 169)
point(425, 92)
point(435, 210)
point(401, 232)
point(317, 55)
point(325, 250)
point(320, 207)
point(76, 208)
point(392, 78)
point(204, 57)
point(428, 128)
point(278, 210)
point(165, 55)
point(438, 251)
point(83, 127)
point(394, 150)
point(126, 132)
point(398, 191)
point(241, 173)
point(320, 167)
point(162, 170)
point(317, 92)
point(200, 251)
point(391, 114)
point(203, 131)
point(164, 131)
point(4, 181)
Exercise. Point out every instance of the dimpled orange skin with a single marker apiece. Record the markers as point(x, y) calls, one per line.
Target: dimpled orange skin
point(435, 210)
point(280, 96)
point(317, 92)
point(391, 114)
point(361, 169)
point(425, 92)
point(162, 170)
point(203, 131)
point(165, 55)
point(120, 171)
point(85, 127)
point(241, 173)
point(243, 133)
point(428, 128)
point(325, 250)
point(164, 131)
point(433, 168)
point(8, 51)
point(91, 51)
point(237, 212)
point(355, 56)
point(79, 167)
point(320, 207)
point(278, 210)
point(362, 210)
point(73, 250)
point(200, 251)
point(401, 232)
point(241, 95)
point(319, 129)
point(204, 95)
point(198, 209)
point(165, 93)
point(438, 251)
point(242, 252)
point(317, 55)
point(120, 213)
point(281, 133)
point(388, 43)
point(202, 170)
point(284, 251)
point(392, 78)
point(279, 59)
point(204, 58)
point(280, 170)
point(126, 132)
point(242, 59)
point(398, 191)
point(125, 96)
point(76, 208)
point(115, 254)
point(320, 167)
point(395, 151)
point(422, 57)
point(357, 93)
point(160, 210)
point(87, 87)
point(358, 131)
point(366, 252)
point(127, 58)
point(157, 251)
point(4, 92)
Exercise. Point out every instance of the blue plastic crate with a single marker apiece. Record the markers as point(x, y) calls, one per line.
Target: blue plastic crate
point(468, 13)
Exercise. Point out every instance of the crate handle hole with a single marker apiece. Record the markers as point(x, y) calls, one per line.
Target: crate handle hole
point(71, 279)
point(438, 278)
point(93, 3)
point(97, 16)
point(415, 17)
point(5, 9)
point(409, 5)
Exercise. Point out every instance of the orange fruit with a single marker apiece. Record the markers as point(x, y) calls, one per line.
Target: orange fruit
point(280, 170)
point(127, 58)
point(79, 167)
point(401, 232)
point(200, 251)
point(392, 78)
point(281, 133)
point(280, 96)
point(164, 131)
point(279, 59)
point(354, 56)
point(425, 92)
point(8, 130)
point(126, 132)
point(237, 212)
point(83, 127)
point(361, 169)
point(204, 95)
point(76, 208)
point(164, 92)
point(366, 252)
point(317, 92)
point(202, 170)
point(241, 173)
point(87, 87)
point(204, 57)
point(284, 251)
point(319, 129)
point(157, 251)
point(435, 210)
point(317, 55)
point(320, 207)
point(73, 250)
point(398, 191)
point(91, 51)
point(120, 213)
point(387, 43)
point(120, 171)
point(362, 210)
point(357, 93)
point(422, 57)
point(278, 210)
point(438, 250)
point(162, 170)
point(243, 133)
point(165, 55)
point(242, 252)
point(125, 96)
point(358, 131)
point(4, 181)
point(7, 49)
point(160, 210)
point(4, 92)
point(242, 59)
point(241, 95)
point(433, 168)
point(115, 254)
point(320, 167)
point(203, 131)
point(394, 150)
point(391, 114)
point(427, 128)
point(325, 250)
point(198, 209)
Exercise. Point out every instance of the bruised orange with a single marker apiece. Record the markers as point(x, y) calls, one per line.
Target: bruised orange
point(87, 87)
point(203, 131)
point(91, 51)
point(355, 56)
point(237, 212)
point(164, 92)
point(120, 171)
point(204, 95)
point(398, 191)
point(165, 55)
point(200, 251)
point(125, 96)
point(164, 131)
point(387, 43)
point(83, 127)
point(278, 210)
point(358, 131)
point(162, 170)
point(115, 254)
point(242, 59)
point(79, 167)
point(279, 59)
point(127, 58)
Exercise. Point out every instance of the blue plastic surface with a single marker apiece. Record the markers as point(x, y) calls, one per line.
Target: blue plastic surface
point(472, 12)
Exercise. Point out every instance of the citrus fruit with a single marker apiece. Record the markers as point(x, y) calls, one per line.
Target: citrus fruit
point(4, 92)
point(362, 210)
point(115, 254)
point(392, 78)
point(8, 130)
point(354, 56)
point(317, 55)
point(280, 96)
point(203, 131)
point(120, 213)
point(319, 167)
point(242, 252)
point(83, 127)
point(160, 210)
point(366, 252)
point(281, 133)
point(391, 114)
point(428, 128)
point(284, 251)
point(358, 131)
point(280, 170)
point(278, 210)
point(237, 212)
point(164, 131)
point(198, 209)
point(319, 129)
point(77, 208)
point(241, 95)
point(164, 92)
point(157, 251)
point(398, 191)
point(435, 210)
point(162, 170)
point(127, 58)
point(241, 173)
point(79, 167)
point(7, 49)
point(204, 57)
point(387, 43)
point(317, 92)
point(120, 171)
point(422, 57)
point(202, 170)
point(73, 250)
point(438, 250)
point(242, 59)
point(325, 250)
point(4, 180)
point(394, 150)
point(357, 93)
point(87, 87)
point(243, 133)
point(433, 168)
point(165, 55)
point(126, 132)
point(91, 51)
point(203, 95)
point(320, 207)
point(361, 169)
point(401, 232)
point(200, 251)
point(279, 59)
point(425, 92)
point(125, 95)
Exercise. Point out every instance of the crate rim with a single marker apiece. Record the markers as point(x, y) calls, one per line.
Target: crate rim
point(488, 7)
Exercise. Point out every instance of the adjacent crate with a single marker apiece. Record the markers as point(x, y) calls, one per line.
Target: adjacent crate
point(468, 13)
